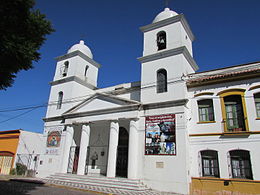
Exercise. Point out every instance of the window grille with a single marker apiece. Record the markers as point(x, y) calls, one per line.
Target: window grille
point(240, 164)
point(161, 81)
point(234, 113)
point(206, 111)
point(257, 104)
point(210, 166)
point(60, 98)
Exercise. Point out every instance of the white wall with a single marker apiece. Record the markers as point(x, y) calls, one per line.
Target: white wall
point(173, 177)
point(223, 144)
point(217, 127)
point(51, 163)
point(73, 94)
point(77, 67)
point(175, 66)
point(30, 145)
point(175, 37)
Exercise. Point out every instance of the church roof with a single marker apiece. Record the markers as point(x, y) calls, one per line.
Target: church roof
point(166, 13)
point(224, 74)
point(81, 47)
point(105, 102)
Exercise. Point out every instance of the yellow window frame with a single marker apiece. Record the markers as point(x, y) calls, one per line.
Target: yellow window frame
point(229, 92)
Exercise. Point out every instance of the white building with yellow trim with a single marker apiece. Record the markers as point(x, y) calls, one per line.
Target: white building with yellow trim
point(176, 130)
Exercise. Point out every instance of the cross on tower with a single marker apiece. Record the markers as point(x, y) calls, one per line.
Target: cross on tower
point(167, 3)
point(82, 36)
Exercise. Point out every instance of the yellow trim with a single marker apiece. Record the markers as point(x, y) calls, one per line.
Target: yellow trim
point(213, 186)
point(232, 91)
point(9, 142)
point(223, 111)
point(258, 118)
point(205, 122)
point(229, 92)
point(226, 179)
point(254, 87)
point(205, 134)
point(204, 93)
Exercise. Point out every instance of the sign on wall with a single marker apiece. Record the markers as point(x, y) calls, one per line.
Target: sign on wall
point(160, 134)
point(53, 139)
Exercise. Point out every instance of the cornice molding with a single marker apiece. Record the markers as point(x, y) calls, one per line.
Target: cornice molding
point(171, 52)
point(95, 112)
point(232, 90)
point(135, 107)
point(204, 93)
point(166, 104)
point(226, 134)
point(72, 78)
point(254, 87)
point(10, 137)
point(11, 131)
point(179, 18)
point(78, 53)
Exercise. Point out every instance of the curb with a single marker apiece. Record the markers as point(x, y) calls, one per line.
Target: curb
point(35, 181)
point(28, 180)
point(79, 189)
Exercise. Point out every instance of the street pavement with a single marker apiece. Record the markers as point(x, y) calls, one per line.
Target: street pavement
point(23, 188)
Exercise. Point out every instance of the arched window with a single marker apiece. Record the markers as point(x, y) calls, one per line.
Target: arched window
point(60, 98)
point(234, 113)
point(234, 110)
point(161, 81)
point(206, 111)
point(241, 164)
point(161, 40)
point(257, 104)
point(65, 68)
point(210, 166)
point(86, 70)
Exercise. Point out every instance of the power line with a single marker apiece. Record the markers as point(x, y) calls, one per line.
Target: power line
point(17, 116)
point(23, 108)
point(81, 98)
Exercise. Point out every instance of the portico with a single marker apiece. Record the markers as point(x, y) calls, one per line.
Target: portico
point(104, 148)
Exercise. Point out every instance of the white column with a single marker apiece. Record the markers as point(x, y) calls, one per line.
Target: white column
point(66, 150)
point(112, 152)
point(133, 145)
point(84, 143)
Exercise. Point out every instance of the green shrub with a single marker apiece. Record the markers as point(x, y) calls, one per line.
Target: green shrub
point(13, 171)
point(20, 169)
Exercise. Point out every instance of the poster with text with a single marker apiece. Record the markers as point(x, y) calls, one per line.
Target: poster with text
point(160, 136)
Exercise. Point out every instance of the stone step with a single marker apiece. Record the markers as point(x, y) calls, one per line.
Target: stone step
point(97, 178)
point(103, 184)
point(98, 183)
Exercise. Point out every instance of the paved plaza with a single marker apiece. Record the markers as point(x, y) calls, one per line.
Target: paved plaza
point(23, 188)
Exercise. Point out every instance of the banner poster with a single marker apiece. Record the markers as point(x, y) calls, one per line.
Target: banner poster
point(53, 139)
point(160, 136)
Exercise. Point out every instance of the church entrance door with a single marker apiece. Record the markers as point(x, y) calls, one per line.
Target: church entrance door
point(122, 153)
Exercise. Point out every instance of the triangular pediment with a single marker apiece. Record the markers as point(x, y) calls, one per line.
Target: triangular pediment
point(101, 101)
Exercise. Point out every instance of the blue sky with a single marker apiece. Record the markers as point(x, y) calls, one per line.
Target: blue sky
point(227, 33)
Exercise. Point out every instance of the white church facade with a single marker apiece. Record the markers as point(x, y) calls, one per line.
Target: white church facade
point(176, 130)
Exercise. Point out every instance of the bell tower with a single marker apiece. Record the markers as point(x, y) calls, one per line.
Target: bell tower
point(75, 77)
point(167, 57)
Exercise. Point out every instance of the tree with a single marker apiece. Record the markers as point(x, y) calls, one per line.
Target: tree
point(23, 31)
